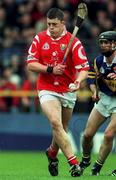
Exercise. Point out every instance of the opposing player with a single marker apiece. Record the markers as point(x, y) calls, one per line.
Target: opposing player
point(45, 58)
point(104, 69)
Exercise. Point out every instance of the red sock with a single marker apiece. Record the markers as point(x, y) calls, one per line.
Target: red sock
point(52, 152)
point(73, 160)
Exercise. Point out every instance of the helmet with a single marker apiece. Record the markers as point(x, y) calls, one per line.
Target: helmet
point(108, 35)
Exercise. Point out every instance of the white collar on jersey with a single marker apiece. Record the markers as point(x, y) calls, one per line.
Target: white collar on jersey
point(63, 34)
point(113, 61)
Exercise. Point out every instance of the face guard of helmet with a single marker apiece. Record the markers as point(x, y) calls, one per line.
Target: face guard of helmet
point(108, 37)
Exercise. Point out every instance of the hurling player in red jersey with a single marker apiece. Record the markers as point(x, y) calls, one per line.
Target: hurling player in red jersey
point(57, 100)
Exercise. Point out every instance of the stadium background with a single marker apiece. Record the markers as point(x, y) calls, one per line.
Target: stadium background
point(22, 124)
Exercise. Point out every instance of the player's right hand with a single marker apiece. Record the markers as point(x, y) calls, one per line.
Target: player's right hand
point(95, 97)
point(112, 76)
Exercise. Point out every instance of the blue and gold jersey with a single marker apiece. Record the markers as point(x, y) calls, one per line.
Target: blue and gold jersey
point(100, 69)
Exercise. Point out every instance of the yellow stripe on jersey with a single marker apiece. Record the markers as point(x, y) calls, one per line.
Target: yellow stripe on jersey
point(111, 84)
point(92, 77)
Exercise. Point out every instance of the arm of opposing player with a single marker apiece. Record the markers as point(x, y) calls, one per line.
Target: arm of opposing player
point(91, 80)
point(94, 92)
point(112, 76)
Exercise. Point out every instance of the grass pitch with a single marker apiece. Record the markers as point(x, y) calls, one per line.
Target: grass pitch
point(33, 166)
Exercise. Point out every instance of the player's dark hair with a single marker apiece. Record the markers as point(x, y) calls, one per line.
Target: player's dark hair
point(55, 13)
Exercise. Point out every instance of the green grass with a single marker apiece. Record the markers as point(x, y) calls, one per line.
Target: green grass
point(33, 166)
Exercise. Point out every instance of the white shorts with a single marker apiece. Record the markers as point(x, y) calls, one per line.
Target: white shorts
point(106, 105)
point(67, 99)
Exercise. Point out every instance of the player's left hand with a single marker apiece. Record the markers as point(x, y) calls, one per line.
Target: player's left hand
point(59, 69)
point(112, 76)
point(75, 87)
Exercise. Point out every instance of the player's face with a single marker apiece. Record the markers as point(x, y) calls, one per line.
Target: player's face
point(55, 27)
point(106, 47)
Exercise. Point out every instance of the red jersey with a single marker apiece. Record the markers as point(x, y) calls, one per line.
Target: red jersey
point(27, 86)
point(48, 51)
point(6, 103)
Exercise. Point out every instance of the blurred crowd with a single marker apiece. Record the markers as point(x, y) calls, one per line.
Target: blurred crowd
point(20, 20)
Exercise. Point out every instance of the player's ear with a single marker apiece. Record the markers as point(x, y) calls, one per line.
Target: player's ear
point(63, 22)
point(113, 45)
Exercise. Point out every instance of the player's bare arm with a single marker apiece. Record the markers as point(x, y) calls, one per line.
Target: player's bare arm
point(40, 68)
point(77, 83)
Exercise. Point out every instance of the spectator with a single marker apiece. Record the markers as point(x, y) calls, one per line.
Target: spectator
point(27, 101)
point(9, 103)
point(2, 23)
